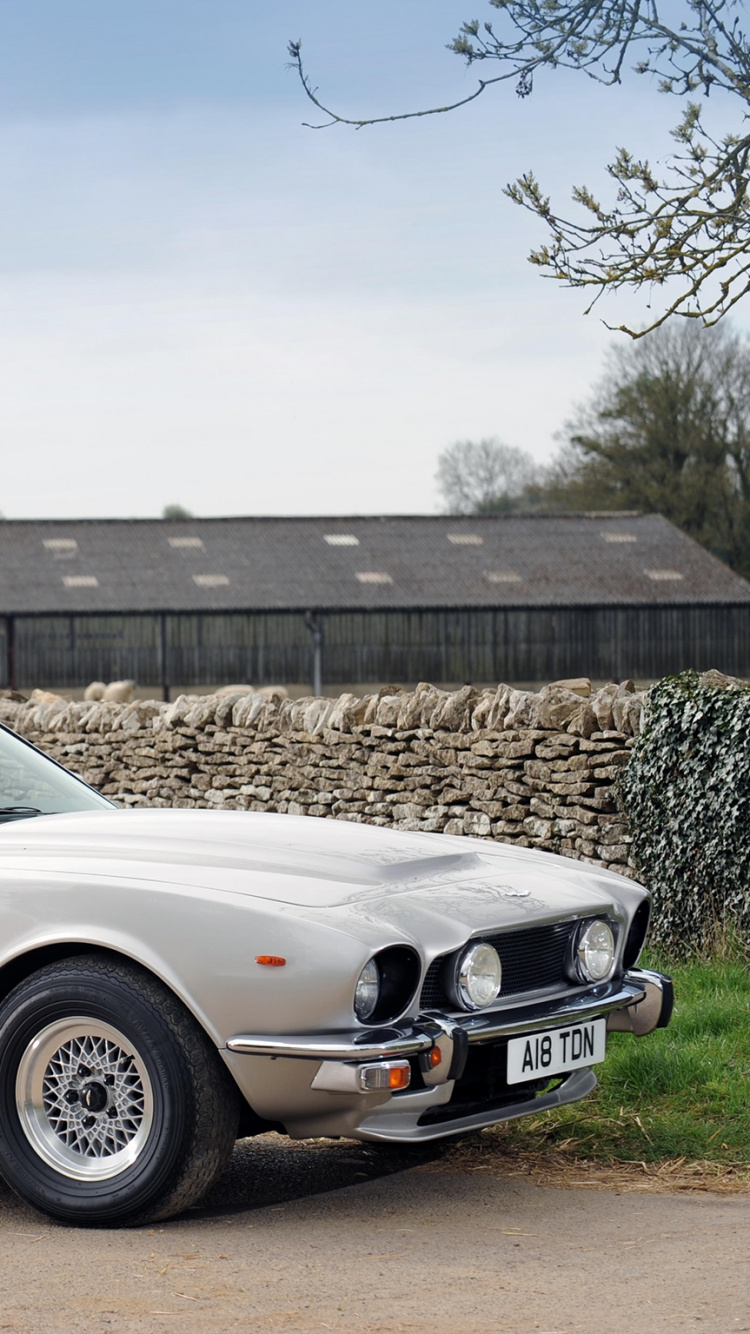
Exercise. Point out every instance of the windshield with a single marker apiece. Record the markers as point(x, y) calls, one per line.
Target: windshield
point(32, 784)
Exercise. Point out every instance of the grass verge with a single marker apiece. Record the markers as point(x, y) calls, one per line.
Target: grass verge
point(675, 1104)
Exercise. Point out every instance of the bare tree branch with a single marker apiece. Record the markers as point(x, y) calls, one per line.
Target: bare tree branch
point(295, 51)
point(686, 230)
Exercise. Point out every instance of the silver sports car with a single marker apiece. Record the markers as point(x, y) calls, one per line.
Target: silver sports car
point(172, 979)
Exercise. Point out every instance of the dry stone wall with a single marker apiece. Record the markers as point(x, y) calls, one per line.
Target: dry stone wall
point(535, 769)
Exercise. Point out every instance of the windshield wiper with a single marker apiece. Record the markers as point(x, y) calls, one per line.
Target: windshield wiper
point(20, 810)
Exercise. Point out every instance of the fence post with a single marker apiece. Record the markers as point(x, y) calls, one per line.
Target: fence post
point(10, 652)
point(316, 630)
point(163, 672)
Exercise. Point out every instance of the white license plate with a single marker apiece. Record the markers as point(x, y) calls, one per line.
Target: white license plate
point(556, 1051)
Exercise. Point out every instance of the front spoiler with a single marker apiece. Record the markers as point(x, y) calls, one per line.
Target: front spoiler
point(639, 990)
point(393, 1125)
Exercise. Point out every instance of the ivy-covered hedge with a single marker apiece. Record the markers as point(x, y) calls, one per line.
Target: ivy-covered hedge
point(686, 792)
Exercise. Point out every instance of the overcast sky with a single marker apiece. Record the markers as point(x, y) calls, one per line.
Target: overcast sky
point(203, 302)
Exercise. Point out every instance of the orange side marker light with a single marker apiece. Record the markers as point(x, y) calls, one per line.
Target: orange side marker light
point(435, 1057)
point(270, 960)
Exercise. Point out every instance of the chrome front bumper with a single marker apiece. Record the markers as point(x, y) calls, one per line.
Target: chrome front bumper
point(637, 1003)
point(317, 1083)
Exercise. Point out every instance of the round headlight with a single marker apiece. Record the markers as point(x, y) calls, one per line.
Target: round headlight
point(367, 991)
point(479, 976)
point(595, 951)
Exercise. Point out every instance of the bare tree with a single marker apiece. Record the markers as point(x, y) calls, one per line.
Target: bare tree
point(685, 228)
point(484, 477)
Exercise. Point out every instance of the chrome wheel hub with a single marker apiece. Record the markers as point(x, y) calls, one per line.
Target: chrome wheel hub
point(84, 1099)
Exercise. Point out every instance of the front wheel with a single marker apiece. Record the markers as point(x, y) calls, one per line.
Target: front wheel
point(114, 1106)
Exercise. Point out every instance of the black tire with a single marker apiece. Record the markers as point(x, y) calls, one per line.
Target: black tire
point(137, 1134)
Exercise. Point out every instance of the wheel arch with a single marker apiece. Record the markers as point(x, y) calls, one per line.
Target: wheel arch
point(28, 961)
point(35, 956)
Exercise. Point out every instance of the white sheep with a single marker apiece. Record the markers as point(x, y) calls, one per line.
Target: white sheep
point(121, 692)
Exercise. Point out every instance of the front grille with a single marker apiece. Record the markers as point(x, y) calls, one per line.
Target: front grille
point(484, 1087)
point(533, 958)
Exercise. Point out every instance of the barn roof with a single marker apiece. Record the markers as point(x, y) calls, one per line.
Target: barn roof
point(265, 564)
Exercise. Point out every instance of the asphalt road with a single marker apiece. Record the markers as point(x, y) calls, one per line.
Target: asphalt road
point(342, 1237)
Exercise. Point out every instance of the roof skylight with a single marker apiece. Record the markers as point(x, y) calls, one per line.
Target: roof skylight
point(341, 539)
point(619, 537)
point(466, 539)
point(374, 577)
point(663, 576)
point(185, 543)
point(60, 546)
point(211, 580)
point(502, 577)
point(80, 581)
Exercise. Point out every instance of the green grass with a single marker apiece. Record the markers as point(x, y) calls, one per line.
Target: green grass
point(681, 1092)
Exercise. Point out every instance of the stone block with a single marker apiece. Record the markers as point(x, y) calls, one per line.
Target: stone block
point(536, 828)
point(507, 828)
point(613, 852)
point(538, 806)
point(453, 826)
point(477, 823)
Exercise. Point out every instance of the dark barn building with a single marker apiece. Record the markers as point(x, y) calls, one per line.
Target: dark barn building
point(517, 598)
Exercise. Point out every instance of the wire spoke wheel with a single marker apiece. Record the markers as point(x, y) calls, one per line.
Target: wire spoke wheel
point(84, 1099)
point(115, 1107)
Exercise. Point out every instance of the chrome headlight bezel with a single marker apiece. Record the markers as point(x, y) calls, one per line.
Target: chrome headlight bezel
point(398, 969)
point(595, 936)
point(477, 960)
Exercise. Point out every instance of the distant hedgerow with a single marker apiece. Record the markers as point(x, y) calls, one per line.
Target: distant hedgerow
point(686, 792)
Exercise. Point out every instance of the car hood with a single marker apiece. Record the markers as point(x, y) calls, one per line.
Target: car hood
point(300, 861)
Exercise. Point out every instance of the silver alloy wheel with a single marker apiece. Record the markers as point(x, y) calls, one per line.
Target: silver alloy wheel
point(84, 1099)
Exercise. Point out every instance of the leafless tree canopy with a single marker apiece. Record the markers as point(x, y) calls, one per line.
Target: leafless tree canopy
point(682, 232)
point(483, 477)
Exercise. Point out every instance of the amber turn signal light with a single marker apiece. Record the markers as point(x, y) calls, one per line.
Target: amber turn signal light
point(270, 960)
point(435, 1057)
point(400, 1077)
point(394, 1076)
